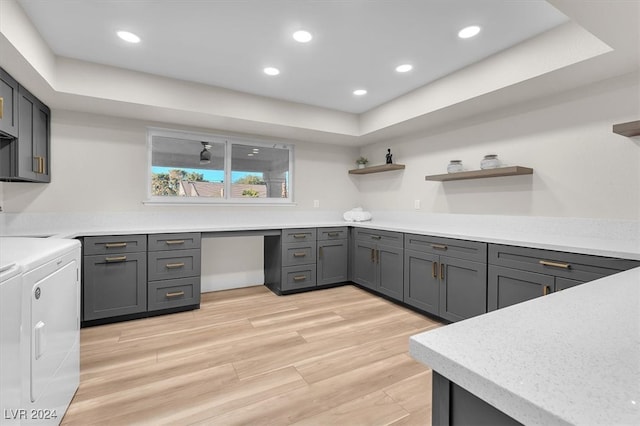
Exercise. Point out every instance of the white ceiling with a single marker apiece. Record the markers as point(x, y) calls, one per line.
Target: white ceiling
point(356, 44)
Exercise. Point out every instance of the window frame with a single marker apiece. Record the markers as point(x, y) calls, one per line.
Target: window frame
point(229, 141)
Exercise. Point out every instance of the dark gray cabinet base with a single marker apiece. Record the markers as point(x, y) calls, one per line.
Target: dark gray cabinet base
point(455, 406)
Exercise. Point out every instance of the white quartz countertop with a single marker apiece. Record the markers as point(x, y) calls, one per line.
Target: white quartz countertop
point(570, 358)
point(610, 238)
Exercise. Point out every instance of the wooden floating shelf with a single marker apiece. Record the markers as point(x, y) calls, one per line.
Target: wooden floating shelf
point(629, 129)
point(479, 174)
point(377, 169)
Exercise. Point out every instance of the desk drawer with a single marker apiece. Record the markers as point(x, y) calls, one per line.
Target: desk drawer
point(388, 238)
point(298, 253)
point(298, 235)
point(173, 293)
point(339, 233)
point(159, 242)
point(298, 277)
point(114, 244)
point(460, 249)
point(165, 265)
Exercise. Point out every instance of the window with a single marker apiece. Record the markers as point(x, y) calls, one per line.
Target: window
point(201, 168)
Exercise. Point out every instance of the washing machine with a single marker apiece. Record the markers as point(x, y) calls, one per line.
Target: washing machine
point(49, 332)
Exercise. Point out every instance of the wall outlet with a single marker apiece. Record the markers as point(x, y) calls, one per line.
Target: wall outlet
point(416, 204)
point(316, 204)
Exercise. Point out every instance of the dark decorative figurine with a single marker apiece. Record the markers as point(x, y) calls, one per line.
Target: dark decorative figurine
point(389, 155)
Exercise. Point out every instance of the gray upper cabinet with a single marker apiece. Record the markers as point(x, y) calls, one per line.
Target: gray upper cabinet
point(27, 157)
point(517, 274)
point(333, 255)
point(445, 277)
point(115, 280)
point(8, 105)
point(378, 261)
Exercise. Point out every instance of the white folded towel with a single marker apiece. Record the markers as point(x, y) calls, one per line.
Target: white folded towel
point(356, 215)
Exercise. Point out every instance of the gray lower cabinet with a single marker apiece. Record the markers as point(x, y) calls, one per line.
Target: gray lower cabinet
point(379, 261)
point(517, 274)
point(173, 270)
point(333, 256)
point(114, 276)
point(298, 259)
point(445, 277)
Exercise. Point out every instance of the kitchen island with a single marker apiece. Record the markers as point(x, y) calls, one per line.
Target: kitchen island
point(571, 358)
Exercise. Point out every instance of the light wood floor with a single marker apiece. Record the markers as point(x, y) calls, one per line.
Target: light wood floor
point(248, 357)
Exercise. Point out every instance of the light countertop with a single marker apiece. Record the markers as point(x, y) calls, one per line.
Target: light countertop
point(572, 357)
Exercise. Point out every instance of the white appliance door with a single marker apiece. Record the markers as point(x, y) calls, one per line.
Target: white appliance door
point(10, 319)
point(54, 326)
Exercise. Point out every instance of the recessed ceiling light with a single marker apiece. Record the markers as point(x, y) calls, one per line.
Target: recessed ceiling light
point(469, 32)
point(359, 92)
point(127, 36)
point(255, 150)
point(271, 71)
point(302, 36)
point(404, 68)
point(250, 154)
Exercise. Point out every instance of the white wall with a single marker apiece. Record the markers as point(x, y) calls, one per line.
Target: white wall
point(581, 168)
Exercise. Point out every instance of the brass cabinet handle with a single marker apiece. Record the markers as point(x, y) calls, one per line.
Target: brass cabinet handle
point(554, 264)
point(333, 234)
point(174, 265)
point(376, 237)
point(299, 235)
point(377, 256)
point(115, 259)
point(176, 294)
point(43, 164)
point(439, 246)
point(115, 245)
point(320, 253)
point(1, 106)
point(174, 242)
point(373, 255)
point(299, 278)
point(545, 290)
point(442, 271)
point(299, 254)
point(434, 269)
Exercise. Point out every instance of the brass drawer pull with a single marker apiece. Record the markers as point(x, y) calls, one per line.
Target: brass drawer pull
point(115, 245)
point(174, 242)
point(333, 234)
point(176, 294)
point(434, 269)
point(299, 278)
point(174, 265)
point(555, 264)
point(376, 237)
point(299, 254)
point(115, 259)
point(545, 290)
point(1, 106)
point(439, 246)
point(299, 235)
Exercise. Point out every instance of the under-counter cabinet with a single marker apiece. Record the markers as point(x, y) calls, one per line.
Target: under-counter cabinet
point(517, 274)
point(333, 255)
point(445, 277)
point(114, 271)
point(298, 259)
point(8, 105)
point(378, 261)
point(173, 271)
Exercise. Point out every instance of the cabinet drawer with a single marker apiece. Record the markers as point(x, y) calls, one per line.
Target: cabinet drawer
point(460, 249)
point(174, 293)
point(298, 253)
point(115, 244)
point(298, 235)
point(389, 238)
point(296, 277)
point(159, 242)
point(165, 265)
point(579, 267)
point(339, 233)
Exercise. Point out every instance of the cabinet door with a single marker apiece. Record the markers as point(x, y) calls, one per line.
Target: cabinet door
point(364, 268)
point(8, 105)
point(508, 286)
point(390, 263)
point(114, 285)
point(421, 283)
point(463, 288)
point(33, 143)
point(564, 283)
point(332, 261)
